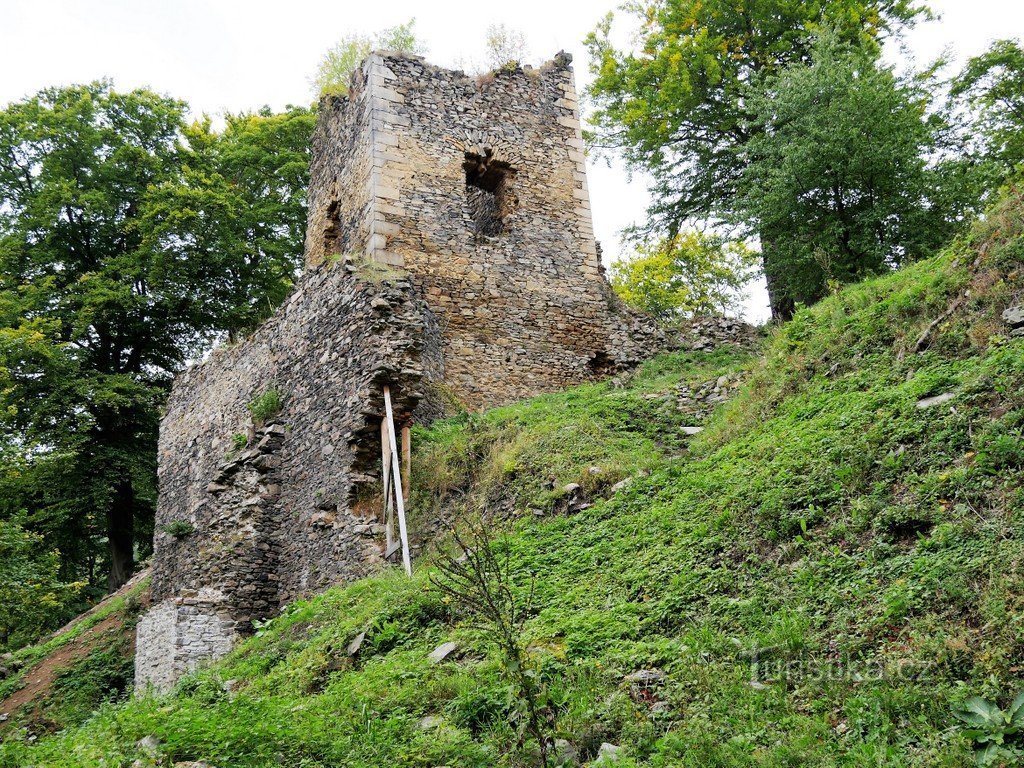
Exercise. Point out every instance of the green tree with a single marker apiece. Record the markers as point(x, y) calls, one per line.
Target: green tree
point(837, 173)
point(678, 106)
point(115, 240)
point(337, 65)
point(33, 598)
point(504, 47)
point(235, 214)
point(994, 83)
point(687, 273)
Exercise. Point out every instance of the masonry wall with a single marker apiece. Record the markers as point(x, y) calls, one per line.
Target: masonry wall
point(522, 304)
point(241, 532)
point(450, 253)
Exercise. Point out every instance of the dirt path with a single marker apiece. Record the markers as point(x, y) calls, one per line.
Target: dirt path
point(39, 678)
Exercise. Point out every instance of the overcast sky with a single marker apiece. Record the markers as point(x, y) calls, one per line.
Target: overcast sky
point(240, 54)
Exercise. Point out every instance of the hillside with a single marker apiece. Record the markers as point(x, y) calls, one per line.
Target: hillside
point(815, 579)
point(62, 679)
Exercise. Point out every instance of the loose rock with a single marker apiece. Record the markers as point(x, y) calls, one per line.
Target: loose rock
point(442, 652)
point(928, 402)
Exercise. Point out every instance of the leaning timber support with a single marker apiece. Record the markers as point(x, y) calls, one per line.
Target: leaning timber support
point(394, 489)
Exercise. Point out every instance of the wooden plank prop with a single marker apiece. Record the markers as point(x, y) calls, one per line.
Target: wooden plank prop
point(395, 492)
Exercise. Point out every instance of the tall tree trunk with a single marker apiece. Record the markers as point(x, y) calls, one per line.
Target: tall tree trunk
point(782, 304)
point(121, 535)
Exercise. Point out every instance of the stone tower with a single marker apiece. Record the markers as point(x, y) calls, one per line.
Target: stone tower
point(477, 189)
point(450, 256)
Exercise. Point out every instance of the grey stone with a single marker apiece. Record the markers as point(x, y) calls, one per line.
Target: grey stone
point(646, 678)
point(692, 430)
point(607, 754)
point(1014, 316)
point(356, 644)
point(442, 652)
point(148, 744)
point(571, 488)
point(430, 722)
point(565, 754)
point(928, 402)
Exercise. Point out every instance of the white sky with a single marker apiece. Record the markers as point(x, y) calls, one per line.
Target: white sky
point(240, 54)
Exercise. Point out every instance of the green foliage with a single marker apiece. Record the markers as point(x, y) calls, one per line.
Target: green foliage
point(401, 38)
point(101, 677)
point(994, 83)
point(337, 65)
point(504, 48)
point(820, 576)
point(26, 658)
point(179, 529)
point(479, 580)
point(234, 217)
point(265, 405)
point(239, 441)
point(996, 734)
point(836, 182)
point(129, 242)
point(33, 598)
point(690, 273)
point(678, 105)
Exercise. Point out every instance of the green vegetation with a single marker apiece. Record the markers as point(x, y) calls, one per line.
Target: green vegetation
point(840, 173)
point(995, 733)
point(130, 240)
point(820, 578)
point(179, 529)
point(994, 83)
point(677, 100)
point(25, 659)
point(265, 405)
point(337, 65)
point(505, 48)
point(33, 598)
point(689, 273)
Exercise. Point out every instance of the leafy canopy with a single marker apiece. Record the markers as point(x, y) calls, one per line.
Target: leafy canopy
point(678, 104)
point(337, 65)
point(35, 598)
point(994, 83)
point(129, 241)
point(836, 173)
point(687, 273)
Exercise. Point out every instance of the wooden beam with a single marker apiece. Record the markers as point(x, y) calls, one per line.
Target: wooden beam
point(396, 473)
point(406, 460)
point(389, 511)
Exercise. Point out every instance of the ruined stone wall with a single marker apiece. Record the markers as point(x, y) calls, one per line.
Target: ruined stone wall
point(450, 254)
point(478, 190)
point(341, 196)
point(241, 531)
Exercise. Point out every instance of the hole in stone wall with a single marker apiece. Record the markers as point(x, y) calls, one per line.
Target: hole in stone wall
point(331, 226)
point(601, 364)
point(489, 192)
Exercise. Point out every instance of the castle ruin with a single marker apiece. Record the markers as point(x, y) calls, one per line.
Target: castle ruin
point(451, 257)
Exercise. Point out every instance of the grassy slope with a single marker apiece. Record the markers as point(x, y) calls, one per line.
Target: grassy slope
point(869, 549)
point(60, 681)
